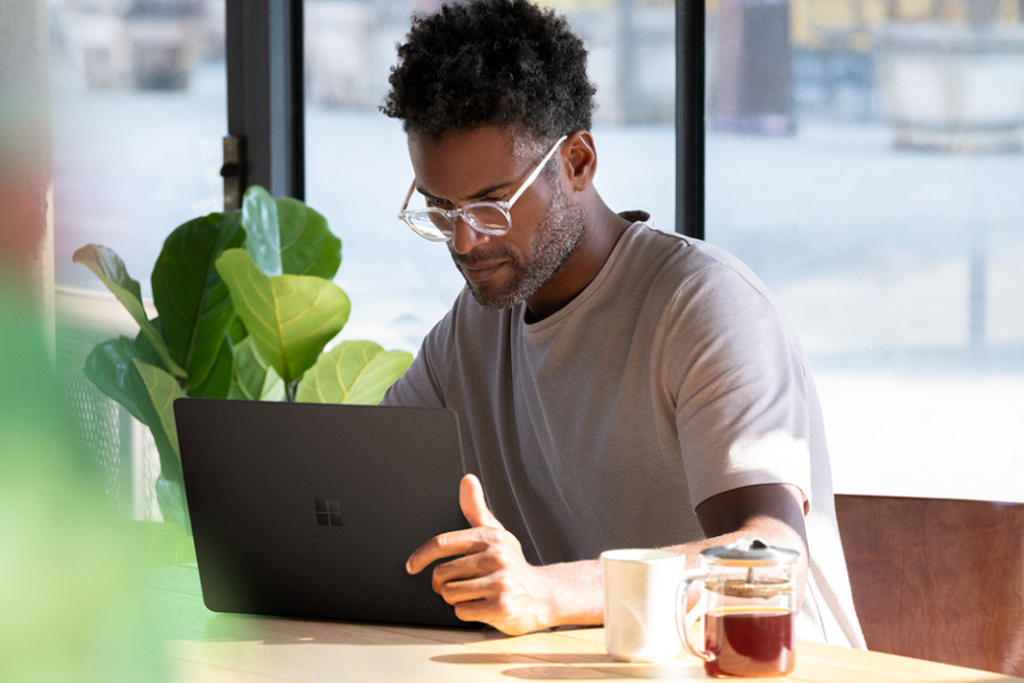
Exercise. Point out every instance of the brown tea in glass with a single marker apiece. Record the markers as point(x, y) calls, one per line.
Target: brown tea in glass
point(749, 641)
point(748, 604)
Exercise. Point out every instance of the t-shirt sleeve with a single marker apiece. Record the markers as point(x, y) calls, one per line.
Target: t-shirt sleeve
point(738, 378)
point(421, 385)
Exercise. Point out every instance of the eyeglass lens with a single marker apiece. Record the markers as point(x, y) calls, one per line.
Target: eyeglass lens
point(484, 217)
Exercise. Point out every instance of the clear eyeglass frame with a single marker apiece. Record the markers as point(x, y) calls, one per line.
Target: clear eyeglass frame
point(489, 218)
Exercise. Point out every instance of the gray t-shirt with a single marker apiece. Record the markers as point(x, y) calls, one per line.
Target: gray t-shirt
point(671, 378)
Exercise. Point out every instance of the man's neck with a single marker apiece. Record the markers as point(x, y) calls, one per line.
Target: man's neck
point(603, 230)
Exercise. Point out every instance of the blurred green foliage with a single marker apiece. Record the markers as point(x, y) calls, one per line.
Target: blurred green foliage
point(72, 606)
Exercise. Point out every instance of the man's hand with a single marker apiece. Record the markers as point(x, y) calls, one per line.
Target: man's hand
point(491, 582)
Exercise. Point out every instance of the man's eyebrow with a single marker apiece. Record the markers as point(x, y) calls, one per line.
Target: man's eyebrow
point(487, 191)
point(426, 194)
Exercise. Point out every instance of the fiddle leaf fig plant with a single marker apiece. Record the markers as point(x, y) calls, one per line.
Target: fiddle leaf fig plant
point(245, 309)
point(290, 318)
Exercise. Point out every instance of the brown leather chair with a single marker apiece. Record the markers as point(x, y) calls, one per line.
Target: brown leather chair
point(938, 579)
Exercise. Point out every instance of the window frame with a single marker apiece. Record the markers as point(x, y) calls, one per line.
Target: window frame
point(265, 88)
point(690, 107)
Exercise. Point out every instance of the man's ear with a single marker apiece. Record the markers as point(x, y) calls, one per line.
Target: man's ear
point(579, 156)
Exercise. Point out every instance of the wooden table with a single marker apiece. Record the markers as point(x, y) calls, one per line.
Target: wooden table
point(206, 647)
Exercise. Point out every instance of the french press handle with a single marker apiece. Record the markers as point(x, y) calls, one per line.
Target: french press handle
point(684, 633)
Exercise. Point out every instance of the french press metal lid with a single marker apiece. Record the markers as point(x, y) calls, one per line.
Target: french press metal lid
point(769, 570)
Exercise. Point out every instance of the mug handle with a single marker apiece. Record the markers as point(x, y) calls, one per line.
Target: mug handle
point(684, 632)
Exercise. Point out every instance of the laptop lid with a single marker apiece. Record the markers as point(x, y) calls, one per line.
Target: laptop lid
point(311, 510)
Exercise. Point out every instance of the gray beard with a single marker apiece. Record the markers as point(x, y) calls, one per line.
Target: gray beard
point(555, 240)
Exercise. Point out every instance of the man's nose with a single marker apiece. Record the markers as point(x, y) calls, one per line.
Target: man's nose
point(467, 238)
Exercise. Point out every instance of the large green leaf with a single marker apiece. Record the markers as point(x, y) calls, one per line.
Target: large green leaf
point(218, 380)
point(116, 369)
point(193, 302)
point(109, 268)
point(307, 245)
point(111, 367)
point(290, 317)
point(353, 372)
point(262, 233)
point(144, 350)
point(237, 330)
point(163, 390)
point(170, 492)
point(252, 378)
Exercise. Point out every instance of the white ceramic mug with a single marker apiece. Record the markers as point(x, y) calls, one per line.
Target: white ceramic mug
point(640, 611)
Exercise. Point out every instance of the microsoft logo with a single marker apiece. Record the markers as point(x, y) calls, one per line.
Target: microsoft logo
point(328, 512)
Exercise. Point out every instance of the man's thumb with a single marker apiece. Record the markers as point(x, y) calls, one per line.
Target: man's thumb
point(474, 507)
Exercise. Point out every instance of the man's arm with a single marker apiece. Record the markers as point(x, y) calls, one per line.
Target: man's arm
point(493, 583)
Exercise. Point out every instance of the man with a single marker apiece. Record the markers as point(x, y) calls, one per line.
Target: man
point(616, 386)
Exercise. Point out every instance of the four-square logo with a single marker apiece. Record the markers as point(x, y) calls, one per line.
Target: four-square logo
point(328, 512)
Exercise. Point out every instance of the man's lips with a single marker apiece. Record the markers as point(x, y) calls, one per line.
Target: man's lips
point(478, 272)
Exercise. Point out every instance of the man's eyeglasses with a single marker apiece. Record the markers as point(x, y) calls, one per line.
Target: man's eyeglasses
point(490, 218)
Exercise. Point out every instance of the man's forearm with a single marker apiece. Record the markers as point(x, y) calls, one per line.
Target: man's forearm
point(578, 589)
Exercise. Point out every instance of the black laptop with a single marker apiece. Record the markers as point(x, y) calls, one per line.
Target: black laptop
point(310, 510)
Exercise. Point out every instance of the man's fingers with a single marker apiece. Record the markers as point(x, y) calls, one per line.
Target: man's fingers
point(467, 567)
point(455, 592)
point(474, 507)
point(462, 542)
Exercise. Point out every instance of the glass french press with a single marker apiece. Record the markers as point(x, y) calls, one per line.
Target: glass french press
point(748, 606)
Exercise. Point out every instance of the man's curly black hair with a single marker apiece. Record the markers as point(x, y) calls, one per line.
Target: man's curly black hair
point(491, 62)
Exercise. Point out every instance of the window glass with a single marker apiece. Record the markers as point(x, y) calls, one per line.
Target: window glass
point(139, 108)
point(865, 159)
point(357, 165)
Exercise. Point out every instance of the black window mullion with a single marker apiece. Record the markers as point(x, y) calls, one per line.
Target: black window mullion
point(690, 47)
point(265, 92)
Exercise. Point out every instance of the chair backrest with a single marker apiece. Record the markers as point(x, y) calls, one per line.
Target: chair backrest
point(938, 579)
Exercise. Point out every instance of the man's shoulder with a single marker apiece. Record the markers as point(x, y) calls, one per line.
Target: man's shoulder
point(676, 258)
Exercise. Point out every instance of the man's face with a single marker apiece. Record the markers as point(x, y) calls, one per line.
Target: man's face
point(479, 165)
